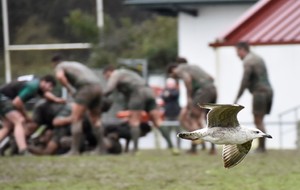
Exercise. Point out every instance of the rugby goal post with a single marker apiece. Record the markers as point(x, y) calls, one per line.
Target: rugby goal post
point(8, 47)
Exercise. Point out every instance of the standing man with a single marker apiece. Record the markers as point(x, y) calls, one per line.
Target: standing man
point(13, 96)
point(138, 97)
point(255, 78)
point(200, 89)
point(83, 84)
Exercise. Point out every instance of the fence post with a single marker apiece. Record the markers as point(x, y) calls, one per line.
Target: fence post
point(298, 136)
point(280, 132)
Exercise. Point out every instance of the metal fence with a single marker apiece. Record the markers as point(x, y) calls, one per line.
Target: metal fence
point(294, 112)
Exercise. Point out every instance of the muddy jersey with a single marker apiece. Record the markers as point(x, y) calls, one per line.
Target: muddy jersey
point(77, 74)
point(25, 90)
point(125, 81)
point(200, 78)
point(255, 75)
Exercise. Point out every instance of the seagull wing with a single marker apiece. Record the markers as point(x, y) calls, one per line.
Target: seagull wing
point(222, 115)
point(234, 154)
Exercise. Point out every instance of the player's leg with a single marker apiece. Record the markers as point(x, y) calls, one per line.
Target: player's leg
point(258, 120)
point(50, 149)
point(261, 106)
point(178, 130)
point(196, 123)
point(184, 119)
point(126, 149)
point(134, 123)
point(98, 131)
point(30, 128)
point(6, 128)
point(136, 105)
point(155, 116)
point(83, 100)
point(12, 119)
point(197, 117)
point(206, 95)
point(78, 111)
point(16, 118)
point(94, 105)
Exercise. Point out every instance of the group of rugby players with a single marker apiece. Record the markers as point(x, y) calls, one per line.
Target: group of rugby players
point(75, 127)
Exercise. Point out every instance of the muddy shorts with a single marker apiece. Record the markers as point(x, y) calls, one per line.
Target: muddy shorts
point(262, 102)
point(5, 105)
point(142, 99)
point(90, 96)
point(206, 94)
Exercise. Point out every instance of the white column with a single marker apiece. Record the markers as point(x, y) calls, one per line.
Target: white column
point(100, 17)
point(218, 72)
point(6, 41)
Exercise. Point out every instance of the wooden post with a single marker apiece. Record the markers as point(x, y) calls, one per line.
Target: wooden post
point(298, 136)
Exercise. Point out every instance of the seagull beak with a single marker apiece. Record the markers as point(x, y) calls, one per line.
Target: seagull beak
point(267, 136)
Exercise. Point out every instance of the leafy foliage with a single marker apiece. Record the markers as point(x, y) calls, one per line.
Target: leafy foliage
point(82, 26)
point(154, 39)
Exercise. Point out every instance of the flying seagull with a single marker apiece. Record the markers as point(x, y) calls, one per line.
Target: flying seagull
point(224, 128)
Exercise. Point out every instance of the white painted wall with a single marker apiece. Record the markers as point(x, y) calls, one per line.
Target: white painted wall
point(195, 33)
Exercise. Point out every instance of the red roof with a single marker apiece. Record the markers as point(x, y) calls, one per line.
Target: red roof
point(267, 22)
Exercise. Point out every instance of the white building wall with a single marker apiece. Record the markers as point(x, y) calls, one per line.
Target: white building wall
point(195, 33)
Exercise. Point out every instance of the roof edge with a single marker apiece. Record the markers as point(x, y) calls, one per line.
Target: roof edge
point(246, 16)
point(218, 44)
point(186, 2)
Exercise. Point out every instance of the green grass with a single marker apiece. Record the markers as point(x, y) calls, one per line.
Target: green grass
point(152, 170)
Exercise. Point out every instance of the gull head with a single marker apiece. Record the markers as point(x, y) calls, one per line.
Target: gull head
point(256, 133)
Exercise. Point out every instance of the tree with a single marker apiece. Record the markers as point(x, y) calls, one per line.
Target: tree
point(154, 39)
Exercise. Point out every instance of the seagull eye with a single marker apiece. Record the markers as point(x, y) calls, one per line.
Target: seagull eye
point(256, 132)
